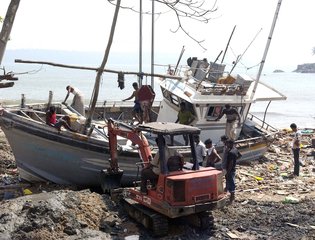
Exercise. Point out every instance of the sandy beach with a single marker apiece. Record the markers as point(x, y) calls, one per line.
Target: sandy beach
point(269, 204)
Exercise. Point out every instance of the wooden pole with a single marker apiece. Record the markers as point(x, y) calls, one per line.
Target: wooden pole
point(7, 26)
point(94, 69)
point(101, 70)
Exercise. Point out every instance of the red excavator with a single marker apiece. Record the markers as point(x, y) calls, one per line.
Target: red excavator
point(190, 192)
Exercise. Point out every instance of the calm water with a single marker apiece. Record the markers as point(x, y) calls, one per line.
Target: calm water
point(299, 106)
point(39, 80)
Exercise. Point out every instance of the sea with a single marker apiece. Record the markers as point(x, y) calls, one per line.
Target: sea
point(35, 81)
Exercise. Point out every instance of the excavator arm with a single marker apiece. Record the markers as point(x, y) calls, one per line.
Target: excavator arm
point(111, 177)
point(136, 137)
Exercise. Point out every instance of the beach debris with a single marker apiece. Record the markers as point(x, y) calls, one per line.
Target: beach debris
point(252, 175)
point(27, 191)
point(291, 199)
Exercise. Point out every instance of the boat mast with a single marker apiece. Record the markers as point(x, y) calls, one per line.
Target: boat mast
point(227, 45)
point(266, 49)
point(152, 47)
point(140, 44)
point(7, 26)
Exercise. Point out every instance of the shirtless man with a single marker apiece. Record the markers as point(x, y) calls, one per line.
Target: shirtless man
point(212, 155)
point(136, 111)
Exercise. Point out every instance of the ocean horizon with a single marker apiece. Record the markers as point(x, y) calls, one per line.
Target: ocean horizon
point(35, 82)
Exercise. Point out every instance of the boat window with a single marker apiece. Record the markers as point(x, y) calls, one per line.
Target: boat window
point(177, 100)
point(214, 112)
point(166, 94)
point(174, 99)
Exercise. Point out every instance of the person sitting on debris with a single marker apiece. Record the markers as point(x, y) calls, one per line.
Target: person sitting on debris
point(78, 99)
point(51, 120)
point(212, 155)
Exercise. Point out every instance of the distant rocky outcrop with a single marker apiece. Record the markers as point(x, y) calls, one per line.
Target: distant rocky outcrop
point(278, 71)
point(305, 68)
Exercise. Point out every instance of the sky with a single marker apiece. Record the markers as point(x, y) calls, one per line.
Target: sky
point(81, 25)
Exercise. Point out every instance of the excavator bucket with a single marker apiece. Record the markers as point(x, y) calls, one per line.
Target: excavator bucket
point(110, 180)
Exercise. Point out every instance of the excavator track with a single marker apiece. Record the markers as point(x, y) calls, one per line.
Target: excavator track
point(202, 220)
point(150, 219)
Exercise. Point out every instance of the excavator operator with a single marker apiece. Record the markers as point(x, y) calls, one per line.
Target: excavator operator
point(152, 171)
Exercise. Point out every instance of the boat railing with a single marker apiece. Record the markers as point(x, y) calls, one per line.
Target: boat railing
point(262, 124)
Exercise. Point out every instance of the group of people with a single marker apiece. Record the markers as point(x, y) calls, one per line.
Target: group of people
point(208, 156)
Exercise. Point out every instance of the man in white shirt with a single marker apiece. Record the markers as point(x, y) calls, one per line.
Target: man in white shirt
point(201, 151)
point(295, 145)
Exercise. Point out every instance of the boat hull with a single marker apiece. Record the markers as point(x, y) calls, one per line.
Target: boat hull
point(44, 154)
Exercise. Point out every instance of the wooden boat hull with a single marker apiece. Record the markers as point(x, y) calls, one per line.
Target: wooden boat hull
point(44, 154)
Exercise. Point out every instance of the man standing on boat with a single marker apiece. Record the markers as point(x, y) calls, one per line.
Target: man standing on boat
point(185, 117)
point(231, 116)
point(78, 99)
point(136, 111)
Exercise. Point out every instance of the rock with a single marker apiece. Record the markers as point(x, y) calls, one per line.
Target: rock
point(278, 71)
point(305, 68)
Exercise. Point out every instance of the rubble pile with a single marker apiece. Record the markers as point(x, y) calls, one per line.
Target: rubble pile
point(270, 204)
